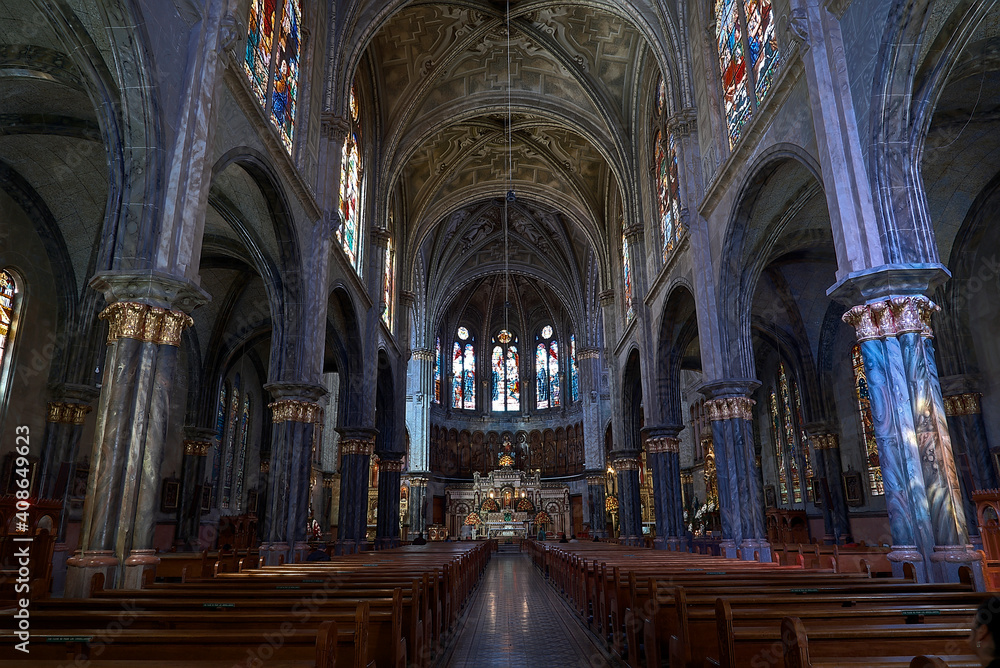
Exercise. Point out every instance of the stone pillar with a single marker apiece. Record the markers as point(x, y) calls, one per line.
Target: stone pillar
point(356, 447)
point(418, 503)
point(387, 524)
point(968, 433)
point(663, 458)
point(596, 486)
point(626, 465)
point(295, 413)
point(922, 491)
point(196, 448)
point(829, 471)
point(63, 429)
point(420, 393)
point(589, 363)
point(741, 489)
point(326, 512)
point(123, 491)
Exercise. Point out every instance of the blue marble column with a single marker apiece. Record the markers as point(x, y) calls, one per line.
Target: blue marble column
point(596, 504)
point(626, 465)
point(418, 503)
point(63, 430)
point(968, 434)
point(196, 448)
point(829, 471)
point(741, 489)
point(123, 489)
point(918, 468)
point(295, 415)
point(356, 447)
point(663, 458)
point(387, 523)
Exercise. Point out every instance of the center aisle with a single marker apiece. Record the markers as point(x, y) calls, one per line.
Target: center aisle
point(515, 619)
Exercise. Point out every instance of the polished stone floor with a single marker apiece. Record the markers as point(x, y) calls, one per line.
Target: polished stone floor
point(516, 619)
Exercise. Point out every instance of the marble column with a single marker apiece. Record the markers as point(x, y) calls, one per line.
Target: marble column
point(626, 465)
point(123, 490)
point(295, 414)
point(356, 447)
point(741, 489)
point(63, 429)
point(387, 524)
point(663, 458)
point(326, 512)
point(829, 471)
point(196, 448)
point(596, 486)
point(418, 503)
point(918, 468)
point(420, 396)
point(968, 434)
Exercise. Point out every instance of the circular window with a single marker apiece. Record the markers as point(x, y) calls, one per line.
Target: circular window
point(504, 336)
point(547, 332)
point(463, 333)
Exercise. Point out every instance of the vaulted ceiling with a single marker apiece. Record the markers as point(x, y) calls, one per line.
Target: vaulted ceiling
point(454, 137)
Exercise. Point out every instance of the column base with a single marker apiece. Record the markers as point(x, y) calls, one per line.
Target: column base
point(948, 559)
point(274, 554)
point(136, 566)
point(60, 554)
point(727, 549)
point(342, 547)
point(83, 566)
point(755, 549)
point(299, 552)
point(901, 555)
point(386, 543)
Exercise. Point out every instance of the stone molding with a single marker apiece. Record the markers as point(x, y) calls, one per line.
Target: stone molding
point(142, 322)
point(197, 448)
point(380, 236)
point(963, 404)
point(633, 233)
point(407, 298)
point(891, 317)
point(424, 354)
point(334, 127)
point(730, 408)
point(357, 446)
point(294, 410)
point(588, 354)
point(66, 413)
point(606, 297)
point(683, 123)
point(596, 479)
point(659, 444)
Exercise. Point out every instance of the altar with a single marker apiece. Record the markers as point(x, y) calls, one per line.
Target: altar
point(506, 503)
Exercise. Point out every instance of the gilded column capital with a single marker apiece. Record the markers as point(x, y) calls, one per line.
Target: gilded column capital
point(391, 465)
point(142, 322)
point(687, 478)
point(588, 354)
point(357, 446)
point(730, 408)
point(418, 480)
point(424, 354)
point(962, 404)
point(328, 480)
point(66, 413)
point(197, 448)
point(596, 479)
point(826, 441)
point(295, 410)
point(892, 317)
point(624, 462)
point(659, 444)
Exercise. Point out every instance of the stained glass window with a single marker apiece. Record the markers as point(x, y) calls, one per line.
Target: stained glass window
point(463, 371)
point(505, 364)
point(574, 370)
point(779, 450)
point(668, 192)
point(867, 422)
point(437, 371)
point(627, 279)
point(220, 428)
point(272, 65)
point(388, 285)
point(350, 187)
point(804, 441)
point(661, 96)
point(547, 393)
point(286, 72)
point(742, 27)
point(230, 449)
point(8, 298)
point(788, 429)
point(260, 38)
point(244, 442)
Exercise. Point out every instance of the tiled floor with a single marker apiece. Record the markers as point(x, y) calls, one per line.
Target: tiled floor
point(516, 619)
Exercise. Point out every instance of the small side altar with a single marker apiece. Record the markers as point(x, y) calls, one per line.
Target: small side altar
point(506, 502)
